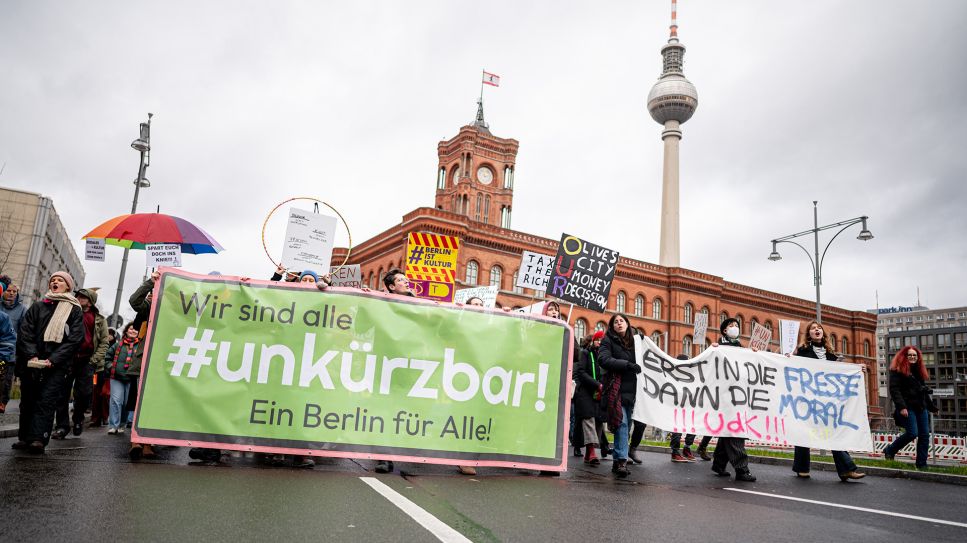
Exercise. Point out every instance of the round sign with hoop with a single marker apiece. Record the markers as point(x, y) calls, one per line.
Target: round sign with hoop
point(316, 203)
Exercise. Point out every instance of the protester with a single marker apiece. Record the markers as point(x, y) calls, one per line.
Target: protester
point(11, 306)
point(637, 432)
point(589, 421)
point(617, 356)
point(101, 396)
point(910, 396)
point(89, 358)
point(731, 449)
point(308, 276)
point(281, 274)
point(141, 303)
point(816, 345)
point(50, 334)
point(8, 349)
point(123, 366)
point(682, 454)
point(475, 301)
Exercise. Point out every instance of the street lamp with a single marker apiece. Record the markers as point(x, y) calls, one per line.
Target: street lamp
point(143, 146)
point(817, 262)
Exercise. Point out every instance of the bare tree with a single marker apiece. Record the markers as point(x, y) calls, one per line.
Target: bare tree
point(13, 234)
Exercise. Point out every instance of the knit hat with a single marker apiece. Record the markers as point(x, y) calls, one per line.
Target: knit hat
point(309, 273)
point(725, 324)
point(89, 293)
point(66, 277)
point(599, 334)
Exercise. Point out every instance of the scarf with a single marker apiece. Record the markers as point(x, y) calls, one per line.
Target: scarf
point(130, 346)
point(54, 333)
point(819, 350)
point(612, 395)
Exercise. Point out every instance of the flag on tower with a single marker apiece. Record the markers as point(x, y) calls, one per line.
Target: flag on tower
point(491, 79)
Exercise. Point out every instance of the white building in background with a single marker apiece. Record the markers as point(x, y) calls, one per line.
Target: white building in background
point(34, 243)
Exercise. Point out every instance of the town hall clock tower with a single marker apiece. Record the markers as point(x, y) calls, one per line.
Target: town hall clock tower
point(475, 175)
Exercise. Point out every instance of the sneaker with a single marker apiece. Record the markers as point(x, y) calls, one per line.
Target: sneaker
point(383, 467)
point(59, 433)
point(745, 476)
point(687, 455)
point(467, 470)
point(851, 475)
point(112, 431)
point(78, 429)
point(303, 462)
point(678, 458)
point(120, 431)
point(704, 455)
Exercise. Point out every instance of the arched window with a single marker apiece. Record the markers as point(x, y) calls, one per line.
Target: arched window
point(517, 290)
point(372, 281)
point(471, 277)
point(619, 302)
point(722, 316)
point(580, 329)
point(866, 347)
point(656, 308)
point(688, 313)
point(441, 182)
point(486, 213)
point(832, 341)
point(496, 274)
point(768, 325)
point(739, 318)
point(639, 306)
point(687, 346)
point(476, 216)
point(705, 310)
point(656, 338)
point(600, 326)
point(845, 345)
point(754, 322)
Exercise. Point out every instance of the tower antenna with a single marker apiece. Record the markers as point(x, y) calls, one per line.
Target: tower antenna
point(673, 29)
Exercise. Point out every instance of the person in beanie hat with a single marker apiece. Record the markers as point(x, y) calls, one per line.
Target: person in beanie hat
point(308, 276)
point(88, 360)
point(51, 332)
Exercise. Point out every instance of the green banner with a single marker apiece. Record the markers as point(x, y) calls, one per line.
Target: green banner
point(283, 367)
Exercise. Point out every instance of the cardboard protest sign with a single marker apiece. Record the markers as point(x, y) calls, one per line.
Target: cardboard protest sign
point(535, 270)
point(788, 336)
point(309, 239)
point(582, 273)
point(94, 249)
point(431, 265)
point(282, 368)
point(735, 392)
point(163, 254)
point(486, 294)
point(761, 336)
point(346, 276)
point(701, 327)
point(533, 309)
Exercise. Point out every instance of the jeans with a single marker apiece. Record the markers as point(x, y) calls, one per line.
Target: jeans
point(621, 435)
point(119, 399)
point(917, 427)
point(677, 441)
point(844, 463)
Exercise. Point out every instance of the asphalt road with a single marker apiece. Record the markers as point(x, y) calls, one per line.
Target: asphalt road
point(87, 489)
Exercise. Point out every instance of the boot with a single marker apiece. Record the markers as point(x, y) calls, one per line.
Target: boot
point(148, 452)
point(851, 475)
point(589, 457)
point(633, 455)
point(620, 468)
point(703, 454)
point(136, 451)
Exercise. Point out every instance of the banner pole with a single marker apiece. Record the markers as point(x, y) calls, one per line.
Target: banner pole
point(569, 313)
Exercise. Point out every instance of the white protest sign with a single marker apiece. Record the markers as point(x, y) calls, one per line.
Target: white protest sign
point(533, 309)
point(788, 336)
point(94, 249)
point(535, 270)
point(346, 276)
point(163, 254)
point(701, 326)
point(735, 392)
point(761, 336)
point(309, 239)
point(487, 294)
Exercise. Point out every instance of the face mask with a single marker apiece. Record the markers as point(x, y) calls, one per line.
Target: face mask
point(732, 332)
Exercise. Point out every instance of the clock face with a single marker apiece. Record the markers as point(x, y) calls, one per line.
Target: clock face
point(484, 175)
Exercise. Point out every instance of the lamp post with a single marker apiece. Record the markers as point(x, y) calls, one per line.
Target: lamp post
point(143, 146)
point(815, 259)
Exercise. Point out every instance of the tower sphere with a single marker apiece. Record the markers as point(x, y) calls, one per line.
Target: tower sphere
point(673, 98)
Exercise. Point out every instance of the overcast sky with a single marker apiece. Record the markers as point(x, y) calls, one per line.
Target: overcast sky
point(860, 105)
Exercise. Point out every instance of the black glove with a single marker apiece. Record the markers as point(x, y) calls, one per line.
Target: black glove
point(634, 367)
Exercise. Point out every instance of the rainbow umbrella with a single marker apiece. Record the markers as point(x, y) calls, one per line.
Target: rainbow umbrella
point(137, 230)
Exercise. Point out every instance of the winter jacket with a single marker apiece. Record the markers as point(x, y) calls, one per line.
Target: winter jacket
point(15, 311)
point(141, 305)
point(30, 340)
point(907, 391)
point(8, 339)
point(118, 356)
point(99, 335)
point(590, 378)
point(618, 360)
point(806, 351)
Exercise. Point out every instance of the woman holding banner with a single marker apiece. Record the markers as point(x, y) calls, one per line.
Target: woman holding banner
point(910, 396)
point(816, 345)
point(587, 397)
point(617, 356)
point(731, 449)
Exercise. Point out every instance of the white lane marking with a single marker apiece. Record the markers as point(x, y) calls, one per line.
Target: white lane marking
point(853, 507)
point(435, 526)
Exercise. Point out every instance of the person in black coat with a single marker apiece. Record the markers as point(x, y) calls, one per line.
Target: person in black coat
point(50, 334)
point(908, 390)
point(617, 356)
point(816, 345)
point(587, 398)
point(731, 450)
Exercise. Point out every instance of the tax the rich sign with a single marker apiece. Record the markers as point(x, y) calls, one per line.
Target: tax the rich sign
point(582, 273)
point(736, 392)
point(285, 368)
